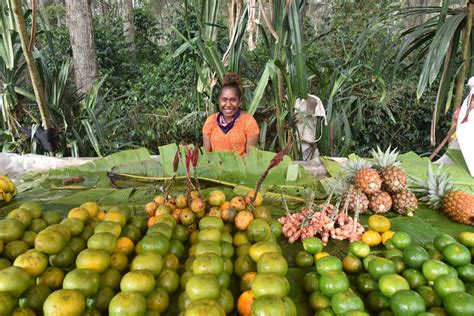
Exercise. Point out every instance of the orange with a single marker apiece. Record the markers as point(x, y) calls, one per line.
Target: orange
point(79, 212)
point(372, 238)
point(83, 280)
point(15, 280)
point(238, 202)
point(158, 300)
point(258, 199)
point(101, 215)
point(11, 229)
point(116, 217)
point(104, 240)
point(93, 259)
point(141, 281)
point(21, 214)
point(379, 223)
point(119, 261)
point(225, 205)
point(215, 198)
point(150, 209)
point(50, 241)
point(320, 255)
point(110, 227)
point(127, 303)
point(52, 277)
point(151, 221)
point(246, 280)
point(244, 303)
point(387, 235)
point(150, 261)
point(64, 302)
point(243, 219)
point(124, 245)
point(34, 262)
point(91, 207)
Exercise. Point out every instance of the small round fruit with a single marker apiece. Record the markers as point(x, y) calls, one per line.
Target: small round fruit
point(379, 223)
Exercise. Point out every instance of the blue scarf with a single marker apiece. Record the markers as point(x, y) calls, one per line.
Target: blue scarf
point(225, 127)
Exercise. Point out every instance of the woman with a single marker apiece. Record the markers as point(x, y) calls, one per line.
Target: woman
point(231, 129)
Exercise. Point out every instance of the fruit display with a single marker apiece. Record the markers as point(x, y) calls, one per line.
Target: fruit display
point(7, 189)
point(191, 245)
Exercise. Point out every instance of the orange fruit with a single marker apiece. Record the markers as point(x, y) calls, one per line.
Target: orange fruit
point(101, 215)
point(93, 259)
point(246, 280)
point(258, 199)
point(372, 238)
point(15, 280)
point(379, 223)
point(104, 240)
point(119, 261)
point(243, 219)
point(64, 302)
point(141, 281)
point(21, 214)
point(150, 209)
point(387, 235)
point(215, 198)
point(50, 241)
point(116, 217)
point(79, 212)
point(127, 303)
point(52, 277)
point(34, 262)
point(109, 227)
point(91, 207)
point(124, 245)
point(238, 202)
point(244, 303)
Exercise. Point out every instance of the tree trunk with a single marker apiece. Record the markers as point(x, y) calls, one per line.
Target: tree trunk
point(128, 24)
point(81, 32)
point(42, 10)
point(34, 74)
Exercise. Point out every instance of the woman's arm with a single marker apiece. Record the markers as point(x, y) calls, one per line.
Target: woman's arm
point(251, 142)
point(207, 143)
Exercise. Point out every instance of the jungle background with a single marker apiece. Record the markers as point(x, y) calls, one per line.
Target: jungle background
point(121, 74)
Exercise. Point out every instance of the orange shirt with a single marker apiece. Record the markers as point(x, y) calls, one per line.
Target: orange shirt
point(236, 139)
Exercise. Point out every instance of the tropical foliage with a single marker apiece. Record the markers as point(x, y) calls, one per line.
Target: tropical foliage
point(369, 69)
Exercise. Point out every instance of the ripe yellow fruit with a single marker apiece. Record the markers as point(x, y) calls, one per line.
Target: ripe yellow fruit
point(387, 235)
point(379, 223)
point(320, 255)
point(372, 238)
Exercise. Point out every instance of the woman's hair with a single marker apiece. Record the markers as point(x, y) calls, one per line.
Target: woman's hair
point(232, 80)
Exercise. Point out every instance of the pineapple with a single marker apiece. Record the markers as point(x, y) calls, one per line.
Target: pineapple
point(438, 192)
point(394, 179)
point(404, 202)
point(365, 178)
point(380, 202)
point(352, 195)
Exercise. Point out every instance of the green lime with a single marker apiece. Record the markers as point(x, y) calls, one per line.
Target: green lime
point(401, 240)
point(389, 284)
point(466, 272)
point(442, 240)
point(313, 245)
point(378, 302)
point(432, 269)
point(457, 254)
point(328, 263)
point(446, 284)
point(429, 295)
point(304, 259)
point(459, 303)
point(407, 302)
point(414, 277)
point(359, 249)
point(310, 282)
point(414, 256)
point(381, 266)
point(366, 284)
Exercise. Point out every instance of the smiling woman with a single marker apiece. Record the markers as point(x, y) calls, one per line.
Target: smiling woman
point(231, 129)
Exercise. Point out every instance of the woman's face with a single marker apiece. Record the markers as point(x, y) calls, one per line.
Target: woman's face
point(229, 102)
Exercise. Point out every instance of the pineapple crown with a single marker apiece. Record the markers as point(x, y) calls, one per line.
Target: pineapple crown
point(355, 164)
point(434, 188)
point(385, 159)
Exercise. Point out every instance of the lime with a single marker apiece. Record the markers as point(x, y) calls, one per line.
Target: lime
point(352, 264)
point(378, 302)
point(328, 263)
point(466, 272)
point(399, 264)
point(442, 240)
point(395, 252)
point(429, 295)
point(432, 269)
point(380, 266)
point(414, 277)
point(446, 284)
point(389, 284)
point(344, 302)
point(457, 254)
point(304, 259)
point(414, 256)
point(333, 282)
point(359, 249)
point(467, 239)
point(313, 245)
point(319, 301)
point(310, 282)
point(401, 240)
point(459, 303)
point(366, 284)
point(407, 303)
